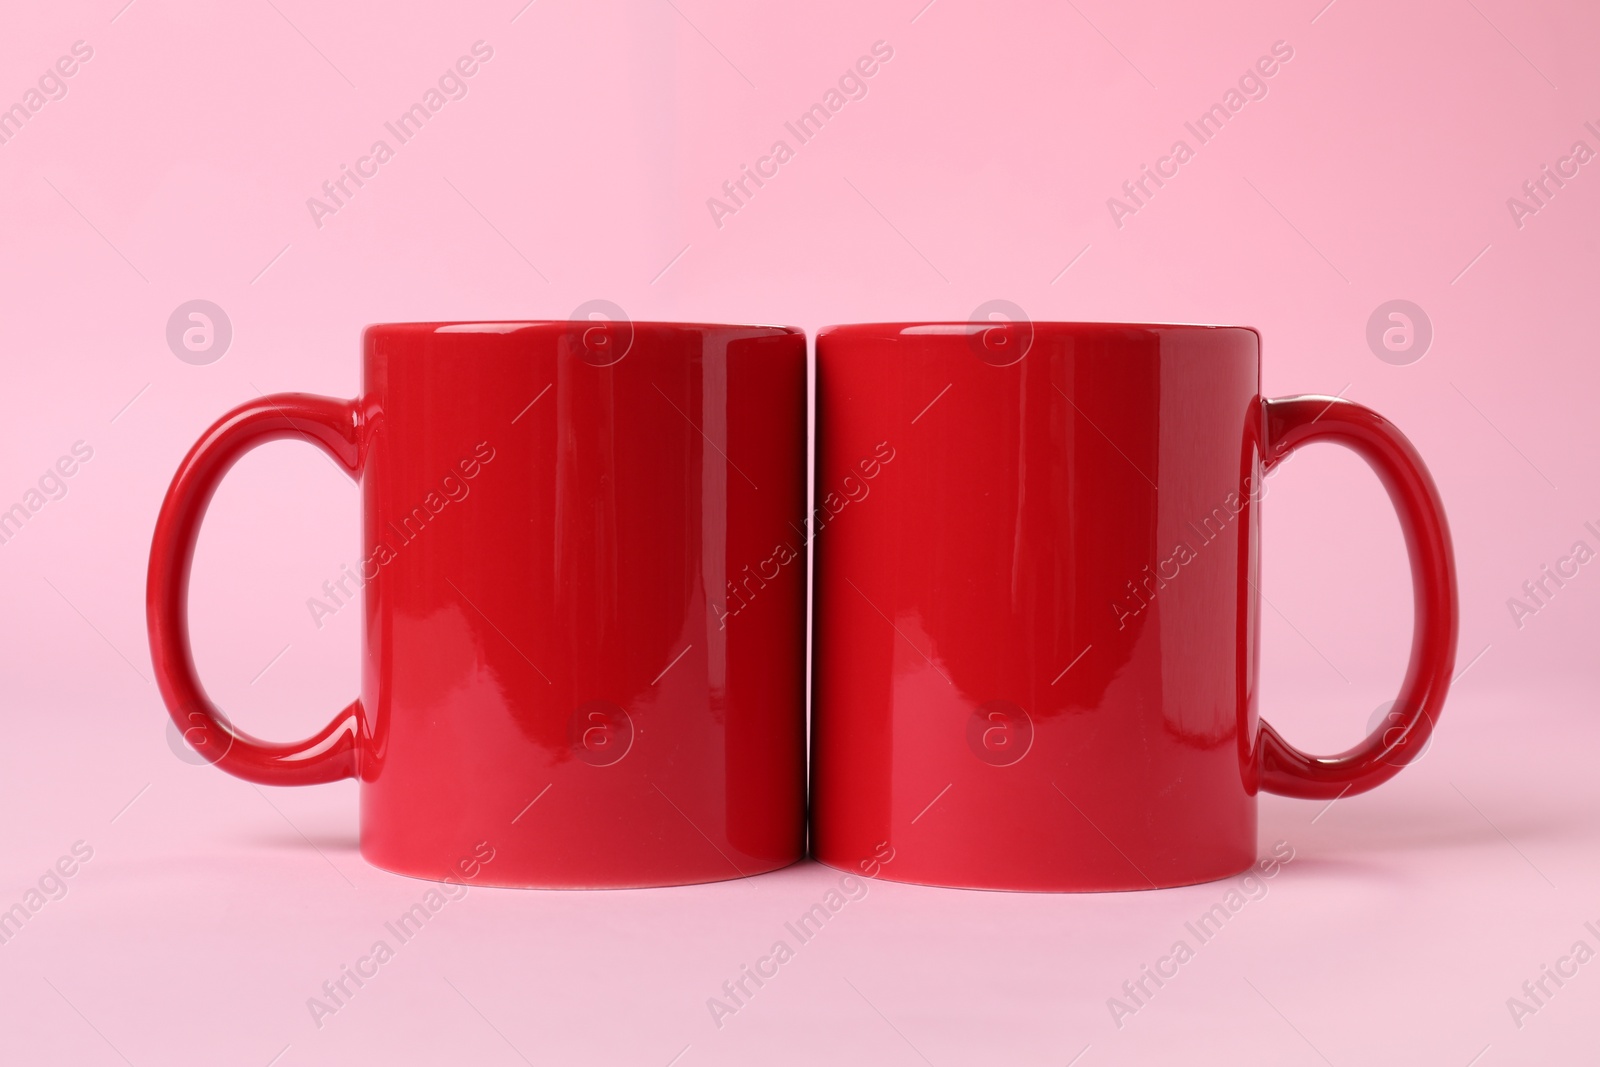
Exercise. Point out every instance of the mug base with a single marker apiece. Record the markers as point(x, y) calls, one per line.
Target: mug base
point(1057, 884)
point(490, 877)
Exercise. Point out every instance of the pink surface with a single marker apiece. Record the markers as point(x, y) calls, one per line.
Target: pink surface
point(977, 166)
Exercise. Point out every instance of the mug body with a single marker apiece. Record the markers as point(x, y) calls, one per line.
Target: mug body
point(554, 516)
point(1035, 619)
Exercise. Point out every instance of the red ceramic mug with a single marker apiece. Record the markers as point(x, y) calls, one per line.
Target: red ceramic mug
point(554, 517)
point(1036, 616)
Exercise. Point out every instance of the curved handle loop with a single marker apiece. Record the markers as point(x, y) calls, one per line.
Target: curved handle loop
point(1295, 421)
point(335, 427)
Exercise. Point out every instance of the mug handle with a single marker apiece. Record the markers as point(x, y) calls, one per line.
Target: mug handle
point(1295, 421)
point(335, 426)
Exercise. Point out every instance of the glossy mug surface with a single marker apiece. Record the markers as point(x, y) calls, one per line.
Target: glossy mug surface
point(1036, 608)
point(554, 517)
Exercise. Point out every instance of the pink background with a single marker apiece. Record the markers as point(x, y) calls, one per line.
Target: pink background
point(977, 167)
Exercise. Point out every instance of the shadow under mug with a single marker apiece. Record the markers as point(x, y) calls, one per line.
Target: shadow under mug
point(1037, 609)
point(555, 517)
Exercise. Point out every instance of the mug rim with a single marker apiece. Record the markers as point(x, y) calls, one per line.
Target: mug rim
point(955, 327)
point(510, 326)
